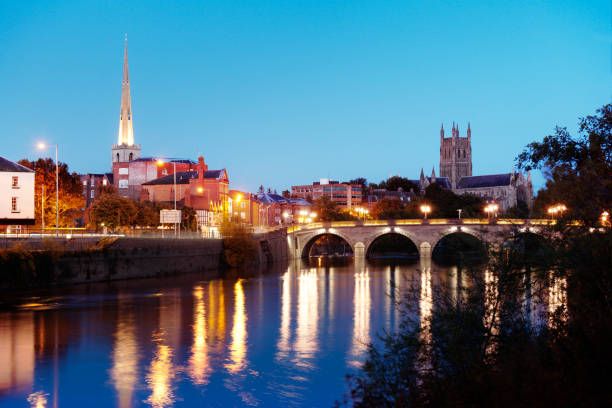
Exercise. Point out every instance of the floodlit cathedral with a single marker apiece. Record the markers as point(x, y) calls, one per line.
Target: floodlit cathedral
point(506, 189)
point(125, 150)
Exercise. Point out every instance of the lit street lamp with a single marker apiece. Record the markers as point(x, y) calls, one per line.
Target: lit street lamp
point(425, 209)
point(491, 209)
point(556, 209)
point(362, 212)
point(43, 146)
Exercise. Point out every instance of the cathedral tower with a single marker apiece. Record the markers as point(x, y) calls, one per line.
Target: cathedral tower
point(125, 150)
point(455, 155)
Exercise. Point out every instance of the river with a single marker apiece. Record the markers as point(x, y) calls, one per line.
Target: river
point(283, 338)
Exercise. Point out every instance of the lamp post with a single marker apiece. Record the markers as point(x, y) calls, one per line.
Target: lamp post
point(43, 146)
point(425, 209)
point(555, 209)
point(491, 209)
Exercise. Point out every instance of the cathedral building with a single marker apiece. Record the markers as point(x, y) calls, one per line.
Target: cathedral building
point(505, 189)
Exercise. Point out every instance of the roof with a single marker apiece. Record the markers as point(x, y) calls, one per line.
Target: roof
point(490, 180)
point(271, 198)
point(7, 165)
point(154, 159)
point(183, 177)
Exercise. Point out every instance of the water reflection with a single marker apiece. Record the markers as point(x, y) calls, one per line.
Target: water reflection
point(198, 363)
point(162, 371)
point(284, 333)
point(306, 339)
point(293, 335)
point(37, 400)
point(16, 351)
point(491, 315)
point(239, 334)
point(426, 299)
point(557, 296)
point(124, 371)
point(361, 314)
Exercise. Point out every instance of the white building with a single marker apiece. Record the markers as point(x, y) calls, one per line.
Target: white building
point(16, 194)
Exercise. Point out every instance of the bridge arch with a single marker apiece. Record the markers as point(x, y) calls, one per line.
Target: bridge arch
point(312, 240)
point(450, 244)
point(409, 244)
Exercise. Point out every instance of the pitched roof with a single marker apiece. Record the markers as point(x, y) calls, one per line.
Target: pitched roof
point(7, 165)
point(183, 177)
point(153, 159)
point(271, 198)
point(490, 180)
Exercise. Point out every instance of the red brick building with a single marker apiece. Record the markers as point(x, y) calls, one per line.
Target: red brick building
point(345, 195)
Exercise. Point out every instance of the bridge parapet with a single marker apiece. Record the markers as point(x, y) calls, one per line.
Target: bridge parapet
point(425, 234)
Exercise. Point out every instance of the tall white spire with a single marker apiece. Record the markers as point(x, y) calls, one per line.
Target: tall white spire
point(126, 130)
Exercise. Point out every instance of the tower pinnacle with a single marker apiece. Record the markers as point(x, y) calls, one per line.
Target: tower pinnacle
point(126, 130)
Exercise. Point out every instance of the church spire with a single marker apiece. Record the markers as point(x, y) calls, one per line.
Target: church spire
point(126, 130)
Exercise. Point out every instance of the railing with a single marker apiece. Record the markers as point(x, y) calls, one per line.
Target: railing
point(431, 221)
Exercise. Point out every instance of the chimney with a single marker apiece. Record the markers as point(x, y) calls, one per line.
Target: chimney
point(202, 167)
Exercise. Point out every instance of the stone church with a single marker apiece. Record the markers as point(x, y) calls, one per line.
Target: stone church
point(505, 189)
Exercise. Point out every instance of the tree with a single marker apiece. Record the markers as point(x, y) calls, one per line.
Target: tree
point(113, 211)
point(239, 247)
point(445, 203)
point(71, 199)
point(328, 210)
point(581, 165)
point(394, 183)
point(362, 181)
point(386, 209)
point(147, 213)
point(189, 219)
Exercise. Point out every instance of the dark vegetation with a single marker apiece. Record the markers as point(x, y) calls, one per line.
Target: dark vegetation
point(239, 245)
point(485, 345)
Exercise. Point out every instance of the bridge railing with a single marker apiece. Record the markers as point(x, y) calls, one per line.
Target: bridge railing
point(431, 221)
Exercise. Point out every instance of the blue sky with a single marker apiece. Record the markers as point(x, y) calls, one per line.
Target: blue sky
point(288, 92)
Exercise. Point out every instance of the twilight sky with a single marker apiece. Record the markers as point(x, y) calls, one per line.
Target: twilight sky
point(287, 92)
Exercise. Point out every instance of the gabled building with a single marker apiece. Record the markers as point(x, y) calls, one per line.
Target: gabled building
point(16, 195)
point(92, 183)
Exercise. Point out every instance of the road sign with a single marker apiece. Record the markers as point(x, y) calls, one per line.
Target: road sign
point(170, 216)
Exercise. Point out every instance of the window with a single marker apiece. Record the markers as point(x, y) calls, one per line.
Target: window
point(84, 182)
point(123, 184)
point(123, 170)
point(15, 182)
point(14, 207)
point(93, 181)
point(104, 182)
point(92, 193)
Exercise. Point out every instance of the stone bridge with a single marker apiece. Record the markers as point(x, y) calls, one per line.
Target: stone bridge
point(425, 234)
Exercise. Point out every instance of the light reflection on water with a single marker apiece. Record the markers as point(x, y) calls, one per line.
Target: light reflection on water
point(284, 338)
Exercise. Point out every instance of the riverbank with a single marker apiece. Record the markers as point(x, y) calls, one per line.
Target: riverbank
point(28, 264)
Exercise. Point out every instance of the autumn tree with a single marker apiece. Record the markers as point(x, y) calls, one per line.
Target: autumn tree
point(71, 199)
point(113, 211)
point(328, 210)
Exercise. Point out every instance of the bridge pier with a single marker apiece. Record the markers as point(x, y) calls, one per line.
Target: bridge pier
point(359, 251)
point(425, 249)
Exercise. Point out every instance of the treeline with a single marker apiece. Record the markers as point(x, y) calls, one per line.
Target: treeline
point(113, 211)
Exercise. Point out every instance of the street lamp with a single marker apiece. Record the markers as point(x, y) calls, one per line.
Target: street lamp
point(556, 209)
point(43, 146)
point(425, 209)
point(605, 219)
point(491, 209)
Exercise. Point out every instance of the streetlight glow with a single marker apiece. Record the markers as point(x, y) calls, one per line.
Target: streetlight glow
point(425, 209)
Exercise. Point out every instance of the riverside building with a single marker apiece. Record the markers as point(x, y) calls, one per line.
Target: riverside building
point(343, 194)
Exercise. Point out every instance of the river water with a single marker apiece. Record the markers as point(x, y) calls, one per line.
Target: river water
point(283, 338)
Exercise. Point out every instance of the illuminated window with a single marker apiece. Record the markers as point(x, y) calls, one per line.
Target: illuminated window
point(14, 207)
point(15, 182)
